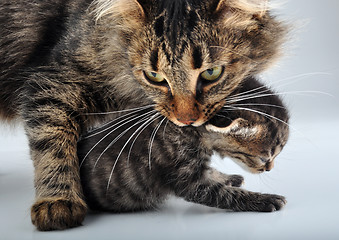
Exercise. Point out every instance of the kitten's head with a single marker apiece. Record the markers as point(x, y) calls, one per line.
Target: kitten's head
point(254, 146)
point(189, 55)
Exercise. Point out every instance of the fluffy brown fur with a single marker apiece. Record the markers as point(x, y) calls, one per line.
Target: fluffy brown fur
point(63, 60)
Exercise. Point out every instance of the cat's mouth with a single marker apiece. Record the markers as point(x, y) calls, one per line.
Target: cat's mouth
point(220, 120)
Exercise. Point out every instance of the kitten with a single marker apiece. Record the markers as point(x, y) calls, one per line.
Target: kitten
point(63, 61)
point(135, 164)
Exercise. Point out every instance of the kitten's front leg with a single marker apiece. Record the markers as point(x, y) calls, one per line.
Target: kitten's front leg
point(228, 180)
point(53, 134)
point(213, 192)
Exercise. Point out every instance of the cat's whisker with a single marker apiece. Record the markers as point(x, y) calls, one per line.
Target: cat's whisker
point(258, 112)
point(269, 117)
point(150, 144)
point(147, 122)
point(117, 138)
point(257, 104)
point(104, 137)
point(243, 98)
point(111, 124)
point(263, 178)
point(122, 111)
point(140, 129)
point(124, 117)
point(295, 78)
point(222, 116)
point(163, 132)
point(121, 123)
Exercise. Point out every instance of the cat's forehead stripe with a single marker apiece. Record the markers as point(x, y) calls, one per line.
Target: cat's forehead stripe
point(197, 58)
point(159, 26)
point(154, 60)
point(173, 26)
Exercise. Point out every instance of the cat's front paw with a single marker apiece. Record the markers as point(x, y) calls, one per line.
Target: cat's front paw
point(57, 214)
point(235, 181)
point(267, 203)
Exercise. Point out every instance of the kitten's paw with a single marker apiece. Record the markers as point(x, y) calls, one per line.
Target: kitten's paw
point(235, 181)
point(57, 214)
point(269, 203)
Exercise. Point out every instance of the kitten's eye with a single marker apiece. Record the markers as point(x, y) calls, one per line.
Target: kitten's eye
point(212, 74)
point(154, 77)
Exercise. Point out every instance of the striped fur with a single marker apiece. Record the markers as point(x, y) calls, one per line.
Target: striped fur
point(63, 60)
point(123, 177)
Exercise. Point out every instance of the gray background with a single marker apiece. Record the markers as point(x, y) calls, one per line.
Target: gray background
point(306, 172)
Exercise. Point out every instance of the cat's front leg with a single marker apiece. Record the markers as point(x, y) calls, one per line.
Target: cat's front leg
point(213, 192)
point(53, 133)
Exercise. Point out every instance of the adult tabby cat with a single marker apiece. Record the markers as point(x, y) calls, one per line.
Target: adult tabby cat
point(62, 60)
point(138, 159)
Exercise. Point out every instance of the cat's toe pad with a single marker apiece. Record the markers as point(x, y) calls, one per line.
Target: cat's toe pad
point(57, 214)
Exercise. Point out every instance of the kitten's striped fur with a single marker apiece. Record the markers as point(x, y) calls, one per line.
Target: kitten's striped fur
point(133, 174)
point(62, 60)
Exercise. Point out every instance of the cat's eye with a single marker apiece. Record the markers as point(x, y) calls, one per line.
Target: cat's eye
point(212, 74)
point(154, 77)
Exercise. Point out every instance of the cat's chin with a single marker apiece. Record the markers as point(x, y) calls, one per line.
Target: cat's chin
point(180, 124)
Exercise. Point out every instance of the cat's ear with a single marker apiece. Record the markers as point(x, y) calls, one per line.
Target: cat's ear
point(144, 7)
point(252, 7)
point(131, 11)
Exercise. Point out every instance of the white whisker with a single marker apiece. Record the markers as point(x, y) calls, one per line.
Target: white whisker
point(141, 130)
point(124, 119)
point(258, 104)
point(232, 100)
point(150, 144)
point(134, 114)
point(219, 115)
point(150, 120)
point(259, 112)
point(163, 132)
point(230, 108)
point(117, 138)
point(297, 77)
point(124, 123)
point(121, 111)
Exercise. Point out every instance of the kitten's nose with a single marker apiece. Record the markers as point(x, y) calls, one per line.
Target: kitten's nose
point(264, 160)
point(269, 165)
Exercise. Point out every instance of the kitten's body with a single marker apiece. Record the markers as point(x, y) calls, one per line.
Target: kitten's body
point(150, 162)
point(59, 62)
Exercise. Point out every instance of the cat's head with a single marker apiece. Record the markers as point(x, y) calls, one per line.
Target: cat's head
point(254, 146)
point(189, 55)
